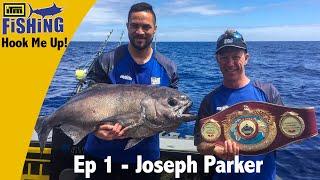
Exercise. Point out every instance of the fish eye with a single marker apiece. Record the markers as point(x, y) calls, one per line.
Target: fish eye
point(172, 102)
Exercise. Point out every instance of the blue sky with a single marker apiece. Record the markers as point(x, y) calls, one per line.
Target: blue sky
point(205, 20)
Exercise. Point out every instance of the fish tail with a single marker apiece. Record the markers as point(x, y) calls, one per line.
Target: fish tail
point(40, 121)
point(31, 11)
point(43, 129)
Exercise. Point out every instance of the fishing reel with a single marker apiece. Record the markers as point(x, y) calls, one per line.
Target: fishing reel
point(81, 75)
point(82, 72)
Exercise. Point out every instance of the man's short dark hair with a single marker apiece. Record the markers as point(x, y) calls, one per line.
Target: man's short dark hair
point(142, 7)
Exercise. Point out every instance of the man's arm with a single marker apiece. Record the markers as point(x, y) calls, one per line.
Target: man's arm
point(174, 81)
point(273, 95)
point(276, 96)
point(202, 113)
point(226, 152)
point(98, 73)
point(170, 68)
point(110, 132)
point(202, 146)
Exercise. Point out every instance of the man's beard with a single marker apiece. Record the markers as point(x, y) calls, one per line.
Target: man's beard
point(146, 45)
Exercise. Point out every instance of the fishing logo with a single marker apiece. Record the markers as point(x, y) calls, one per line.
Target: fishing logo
point(14, 9)
point(42, 20)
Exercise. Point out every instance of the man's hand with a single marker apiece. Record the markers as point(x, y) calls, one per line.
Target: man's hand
point(110, 132)
point(228, 151)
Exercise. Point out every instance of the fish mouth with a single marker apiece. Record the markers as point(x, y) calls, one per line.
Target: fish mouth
point(183, 112)
point(184, 108)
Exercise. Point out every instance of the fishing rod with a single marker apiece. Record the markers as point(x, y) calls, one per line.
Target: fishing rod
point(121, 37)
point(81, 72)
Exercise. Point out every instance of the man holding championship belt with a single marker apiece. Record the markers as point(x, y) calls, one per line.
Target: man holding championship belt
point(232, 57)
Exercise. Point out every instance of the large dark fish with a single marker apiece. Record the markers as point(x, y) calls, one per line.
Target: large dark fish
point(145, 110)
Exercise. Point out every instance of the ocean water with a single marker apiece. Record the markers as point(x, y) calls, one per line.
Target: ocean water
point(293, 67)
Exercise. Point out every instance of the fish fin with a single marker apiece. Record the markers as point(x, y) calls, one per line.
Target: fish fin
point(31, 10)
point(132, 142)
point(43, 129)
point(75, 133)
point(40, 121)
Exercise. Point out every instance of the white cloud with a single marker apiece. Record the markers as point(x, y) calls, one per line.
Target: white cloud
point(98, 15)
point(203, 10)
point(101, 35)
point(282, 33)
point(109, 12)
point(248, 8)
point(181, 2)
point(267, 33)
point(112, 14)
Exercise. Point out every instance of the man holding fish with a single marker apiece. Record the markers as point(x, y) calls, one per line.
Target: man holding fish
point(135, 63)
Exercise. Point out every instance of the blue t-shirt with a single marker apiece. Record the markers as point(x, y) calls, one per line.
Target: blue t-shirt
point(224, 96)
point(127, 71)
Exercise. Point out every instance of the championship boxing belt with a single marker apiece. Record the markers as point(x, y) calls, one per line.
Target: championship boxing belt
point(259, 127)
